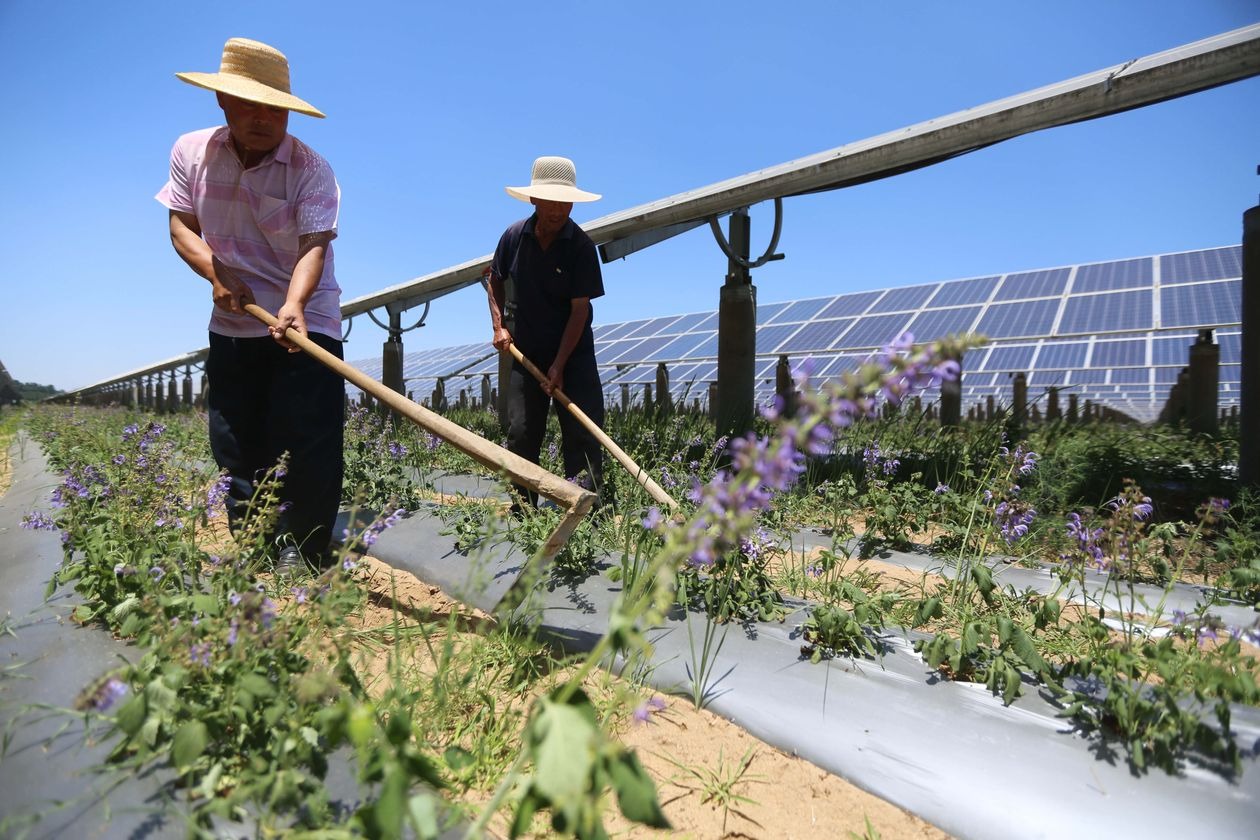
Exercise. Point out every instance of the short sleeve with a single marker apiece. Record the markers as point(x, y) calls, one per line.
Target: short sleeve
point(588, 279)
point(318, 196)
point(176, 194)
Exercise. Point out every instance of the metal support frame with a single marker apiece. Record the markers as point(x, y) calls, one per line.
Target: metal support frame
point(392, 350)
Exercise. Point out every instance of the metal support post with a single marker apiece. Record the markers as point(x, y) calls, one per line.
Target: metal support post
point(1205, 384)
point(1249, 397)
point(737, 330)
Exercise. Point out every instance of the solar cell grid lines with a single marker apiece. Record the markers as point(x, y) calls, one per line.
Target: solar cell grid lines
point(904, 299)
point(1206, 304)
point(960, 292)
point(802, 310)
point(1016, 320)
point(1193, 266)
point(1106, 277)
point(1033, 284)
point(1129, 310)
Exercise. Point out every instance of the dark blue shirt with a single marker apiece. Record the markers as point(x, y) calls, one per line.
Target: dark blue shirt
point(543, 284)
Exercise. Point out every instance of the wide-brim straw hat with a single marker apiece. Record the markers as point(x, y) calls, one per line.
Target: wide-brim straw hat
point(553, 179)
point(254, 71)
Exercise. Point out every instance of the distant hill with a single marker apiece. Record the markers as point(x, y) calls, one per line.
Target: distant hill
point(32, 391)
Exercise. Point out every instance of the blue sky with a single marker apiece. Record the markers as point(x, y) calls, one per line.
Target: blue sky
point(434, 108)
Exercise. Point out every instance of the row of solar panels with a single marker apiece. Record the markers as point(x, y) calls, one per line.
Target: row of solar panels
point(1115, 333)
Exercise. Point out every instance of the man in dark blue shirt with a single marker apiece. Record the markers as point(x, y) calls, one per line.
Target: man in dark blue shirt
point(544, 274)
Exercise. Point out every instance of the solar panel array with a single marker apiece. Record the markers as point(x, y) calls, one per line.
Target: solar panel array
point(1113, 333)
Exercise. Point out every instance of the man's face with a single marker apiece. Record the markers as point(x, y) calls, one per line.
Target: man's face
point(254, 127)
point(551, 214)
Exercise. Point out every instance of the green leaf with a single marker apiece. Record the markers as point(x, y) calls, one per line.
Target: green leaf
point(423, 812)
point(636, 794)
point(257, 685)
point(131, 715)
point(564, 738)
point(189, 743)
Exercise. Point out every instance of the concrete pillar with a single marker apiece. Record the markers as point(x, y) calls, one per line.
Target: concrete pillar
point(988, 407)
point(1073, 413)
point(1205, 384)
point(662, 387)
point(463, 398)
point(648, 404)
point(625, 396)
point(486, 399)
point(188, 392)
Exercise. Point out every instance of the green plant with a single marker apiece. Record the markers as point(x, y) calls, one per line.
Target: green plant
point(719, 785)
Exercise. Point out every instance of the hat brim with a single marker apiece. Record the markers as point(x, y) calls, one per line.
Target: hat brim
point(552, 192)
point(251, 90)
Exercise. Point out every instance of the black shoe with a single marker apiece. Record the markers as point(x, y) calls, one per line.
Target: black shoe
point(290, 563)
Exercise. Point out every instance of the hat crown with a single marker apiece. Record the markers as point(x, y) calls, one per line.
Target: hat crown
point(554, 170)
point(256, 61)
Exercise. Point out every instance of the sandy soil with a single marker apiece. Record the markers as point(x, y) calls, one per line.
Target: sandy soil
point(780, 796)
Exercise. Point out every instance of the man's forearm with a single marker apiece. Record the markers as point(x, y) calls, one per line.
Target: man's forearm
point(306, 275)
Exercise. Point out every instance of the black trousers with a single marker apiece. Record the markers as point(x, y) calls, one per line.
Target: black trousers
point(264, 401)
point(527, 407)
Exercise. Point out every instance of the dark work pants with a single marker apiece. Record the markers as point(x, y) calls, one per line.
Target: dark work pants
point(264, 401)
point(527, 407)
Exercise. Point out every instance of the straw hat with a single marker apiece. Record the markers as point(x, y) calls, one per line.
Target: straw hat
point(553, 179)
point(254, 71)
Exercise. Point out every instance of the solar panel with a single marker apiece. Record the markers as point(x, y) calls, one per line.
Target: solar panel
point(1088, 377)
point(1212, 264)
point(1033, 284)
point(1171, 350)
point(938, 323)
point(1016, 359)
point(651, 328)
point(1018, 320)
point(1108, 277)
point(769, 338)
point(1107, 312)
point(679, 346)
point(766, 311)
point(905, 298)
point(816, 335)
point(1201, 304)
point(1131, 376)
point(1046, 378)
point(1062, 354)
point(844, 305)
point(961, 292)
point(874, 331)
point(802, 310)
point(706, 348)
point(649, 348)
point(1119, 353)
point(1231, 347)
point(689, 323)
point(615, 350)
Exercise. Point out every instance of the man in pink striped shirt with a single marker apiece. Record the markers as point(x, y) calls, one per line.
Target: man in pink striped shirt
point(253, 210)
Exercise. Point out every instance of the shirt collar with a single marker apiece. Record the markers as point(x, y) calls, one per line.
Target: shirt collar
point(281, 154)
point(566, 232)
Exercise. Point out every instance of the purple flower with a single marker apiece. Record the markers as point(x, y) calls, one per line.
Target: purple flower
point(199, 654)
point(234, 599)
point(299, 594)
point(37, 521)
point(233, 633)
point(397, 451)
point(653, 519)
point(216, 494)
point(108, 694)
point(941, 488)
point(157, 572)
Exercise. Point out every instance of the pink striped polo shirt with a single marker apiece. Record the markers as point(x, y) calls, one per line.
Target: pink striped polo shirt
point(252, 218)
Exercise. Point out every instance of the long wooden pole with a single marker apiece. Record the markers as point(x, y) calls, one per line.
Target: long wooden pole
point(640, 475)
point(574, 499)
